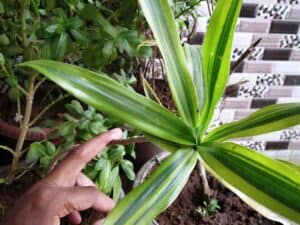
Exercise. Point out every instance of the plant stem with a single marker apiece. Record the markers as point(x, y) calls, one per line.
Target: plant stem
point(39, 83)
point(23, 16)
point(128, 141)
point(23, 90)
point(24, 129)
point(248, 51)
point(202, 172)
point(11, 151)
point(208, 6)
point(19, 88)
point(46, 109)
point(187, 9)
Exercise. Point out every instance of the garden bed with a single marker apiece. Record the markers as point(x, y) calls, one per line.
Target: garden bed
point(233, 211)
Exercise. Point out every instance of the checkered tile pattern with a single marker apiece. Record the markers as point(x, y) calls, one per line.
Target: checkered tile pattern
point(271, 74)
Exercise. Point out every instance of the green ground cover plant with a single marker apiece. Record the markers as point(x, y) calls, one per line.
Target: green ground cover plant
point(197, 76)
point(81, 125)
point(98, 35)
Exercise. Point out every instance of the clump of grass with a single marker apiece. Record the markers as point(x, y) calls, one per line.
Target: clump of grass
point(209, 208)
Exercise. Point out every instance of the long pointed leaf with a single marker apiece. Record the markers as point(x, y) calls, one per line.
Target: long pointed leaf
point(161, 20)
point(290, 164)
point(216, 54)
point(271, 118)
point(149, 199)
point(163, 144)
point(268, 185)
point(111, 97)
point(193, 54)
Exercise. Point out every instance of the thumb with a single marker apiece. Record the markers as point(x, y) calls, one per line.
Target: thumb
point(81, 198)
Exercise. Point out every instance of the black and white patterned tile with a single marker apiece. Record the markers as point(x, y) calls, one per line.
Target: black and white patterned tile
point(270, 74)
point(273, 11)
point(290, 41)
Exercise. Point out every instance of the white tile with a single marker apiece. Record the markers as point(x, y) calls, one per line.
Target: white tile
point(254, 26)
point(261, 1)
point(277, 92)
point(273, 136)
point(289, 155)
point(201, 25)
point(258, 67)
point(237, 103)
point(288, 100)
point(242, 40)
point(227, 116)
point(294, 145)
point(296, 91)
point(242, 113)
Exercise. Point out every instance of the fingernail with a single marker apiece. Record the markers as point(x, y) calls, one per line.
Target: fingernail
point(99, 222)
point(116, 133)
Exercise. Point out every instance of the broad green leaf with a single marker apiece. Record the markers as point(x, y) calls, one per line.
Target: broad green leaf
point(75, 107)
point(128, 169)
point(90, 12)
point(150, 198)
point(67, 128)
point(163, 25)
point(60, 46)
point(2, 60)
point(50, 148)
point(269, 186)
point(116, 154)
point(117, 189)
point(193, 56)
point(217, 54)
point(36, 151)
point(271, 118)
point(103, 178)
point(107, 95)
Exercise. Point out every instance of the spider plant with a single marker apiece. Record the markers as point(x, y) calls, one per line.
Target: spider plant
point(197, 76)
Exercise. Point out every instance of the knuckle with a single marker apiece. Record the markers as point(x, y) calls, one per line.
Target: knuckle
point(93, 191)
point(78, 154)
point(41, 197)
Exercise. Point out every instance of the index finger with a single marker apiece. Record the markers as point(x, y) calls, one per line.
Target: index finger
point(68, 170)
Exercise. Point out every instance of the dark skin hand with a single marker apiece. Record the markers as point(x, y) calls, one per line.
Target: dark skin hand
point(66, 191)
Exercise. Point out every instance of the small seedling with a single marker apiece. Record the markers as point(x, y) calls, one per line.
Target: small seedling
point(210, 208)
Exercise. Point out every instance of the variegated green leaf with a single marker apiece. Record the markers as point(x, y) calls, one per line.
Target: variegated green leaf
point(105, 94)
point(269, 186)
point(163, 144)
point(290, 164)
point(268, 119)
point(150, 198)
point(216, 54)
point(161, 20)
point(193, 54)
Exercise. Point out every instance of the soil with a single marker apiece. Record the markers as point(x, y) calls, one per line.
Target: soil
point(233, 210)
point(162, 91)
point(9, 195)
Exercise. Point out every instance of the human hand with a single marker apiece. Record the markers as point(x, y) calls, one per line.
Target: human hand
point(66, 191)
